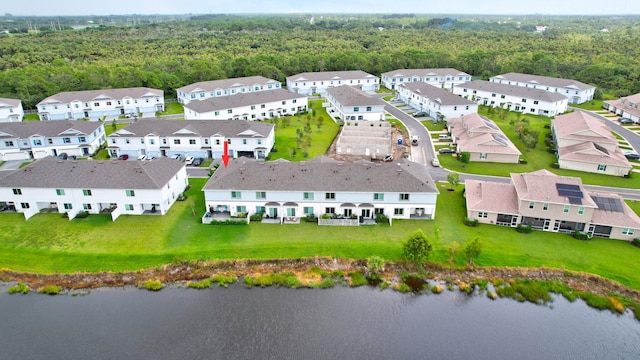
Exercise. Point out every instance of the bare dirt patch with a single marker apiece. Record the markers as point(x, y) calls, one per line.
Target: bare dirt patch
point(399, 151)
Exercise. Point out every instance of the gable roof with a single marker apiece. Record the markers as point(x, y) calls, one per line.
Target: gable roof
point(240, 100)
point(24, 130)
point(330, 75)
point(91, 95)
point(544, 81)
point(474, 133)
point(5, 102)
point(519, 91)
point(425, 72)
point(630, 104)
point(350, 96)
point(582, 126)
point(50, 172)
point(322, 174)
point(541, 186)
point(491, 196)
point(435, 94)
point(590, 152)
point(248, 81)
point(201, 128)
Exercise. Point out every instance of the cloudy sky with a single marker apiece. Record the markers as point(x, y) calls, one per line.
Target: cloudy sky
point(119, 7)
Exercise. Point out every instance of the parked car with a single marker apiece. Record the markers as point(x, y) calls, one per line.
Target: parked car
point(198, 161)
point(420, 113)
point(123, 157)
point(72, 157)
point(415, 139)
point(142, 157)
point(623, 120)
point(388, 157)
point(178, 157)
point(435, 162)
point(443, 137)
point(63, 156)
point(446, 151)
point(632, 155)
point(189, 160)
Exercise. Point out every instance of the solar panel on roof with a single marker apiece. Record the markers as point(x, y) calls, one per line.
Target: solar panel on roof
point(491, 125)
point(499, 139)
point(608, 204)
point(575, 200)
point(601, 148)
point(569, 190)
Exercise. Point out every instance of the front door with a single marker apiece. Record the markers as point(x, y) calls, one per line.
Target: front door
point(347, 212)
point(366, 213)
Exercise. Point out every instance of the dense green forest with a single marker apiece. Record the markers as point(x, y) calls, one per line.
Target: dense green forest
point(169, 52)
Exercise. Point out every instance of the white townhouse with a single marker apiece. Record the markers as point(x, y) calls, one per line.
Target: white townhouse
point(107, 104)
point(349, 103)
point(215, 88)
point(443, 78)
point(434, 101)
point(198, 138)
point(35, 139)
point(11, 110)
point(576, 91)
point(98, 187)
point(628, 107)
point(322, 186)
point(310, 83)
point(260, 105)
point(513, 98)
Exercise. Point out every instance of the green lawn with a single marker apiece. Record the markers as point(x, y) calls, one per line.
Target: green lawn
point(321, 137)
point(48, 243)
point(589, 105)
point(432, 126)
point(537, 158)
point(31, 117)
point(110, 129)
point(172, 108)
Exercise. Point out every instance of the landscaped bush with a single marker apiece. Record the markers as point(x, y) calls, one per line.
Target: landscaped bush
point(357, 279)
point(228, 222)
point(581, 235)
point(524, 229)
point(182, 197)
point(223, 280)
point(310, 219)
point(635, 242)
point(469, 222)
point(381, 219)
point(152, 285)
point(256, 217)
point(555, 166)
point(19, 288)
point(82, 215)
point(203, 284)
point(50, 289)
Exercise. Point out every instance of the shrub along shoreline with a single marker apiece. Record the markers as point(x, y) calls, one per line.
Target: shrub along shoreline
point(522, 284)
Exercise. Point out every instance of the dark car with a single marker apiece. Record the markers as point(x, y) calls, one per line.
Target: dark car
point(72, 157)
point(123, 157)
point(419, 114)
point(632, 156)
point(197, 161)
point(63, 156)
point(625, 121)
point(446, 151)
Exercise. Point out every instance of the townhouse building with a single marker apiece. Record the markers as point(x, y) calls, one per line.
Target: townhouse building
point(346, 102)
point(310, 83)
point(514, 98)
point(628, 107)
point(36, 140)
point(259, 105)
point(198, 138)
point(215, 88)
point(575, 91)
point(435, 102)
point(11, 110)
point(106, 104)
point(443, 78)
point(482, 139)
point(98, 187)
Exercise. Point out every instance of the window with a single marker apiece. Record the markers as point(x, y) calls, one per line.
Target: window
point(206, 141)
point(130, 193)
point(217, 141)
point(192, 141)
point(566, 209)
point(308, 210)
point(483, 155)
point(253, 107)
point(68, 206)
point(176, 141)
point(260, 209)
point(308, 196)
point(581, 210)
point(502, 96)
point(483, 214)
point(236, 195)
point(24, 205)
point(86, 206)
point(216, 113)
point(291, 211)
point(108, 103)
point(532, 205)
point(261, 195)
point(66, 140)
point(404, 197)
point(230, 111)
point(627, 231)
point(86, 192)
point(241, 209)
point(524, 100)
point(398, 211)
point(128, 207)
point(330, 196)
point(37, 142)
point(535, 102)
point(141, 140)
point(330, 210)
point(164, 141)
point(378, 196)
point(17, 191)
point(356, 109)
point(8, 143)
point(602, 167)
point(284, 102)
point(545, 206)
point(152, 141)
point(60, 192)
point(96, 104)
point(493, 95)
point(244, 141)
point(259, 141)
point(262, 106)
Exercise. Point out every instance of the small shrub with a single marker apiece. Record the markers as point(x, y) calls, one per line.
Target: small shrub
point(436, 289)
point(469, 222)
point(524, 229)
point(227, 222)
point(384, 285)
point(19, 288)
point(491, 295)
point(203, 284)
point(325, 284)
point(402, 287)
point(256, 217)
point(50, 290)
point(635, 242)
point(310, 219)
point(357, 279)
point(152, 285)
point(380, 218)
point(82, 215)
point(223, 280)
point(581, 235)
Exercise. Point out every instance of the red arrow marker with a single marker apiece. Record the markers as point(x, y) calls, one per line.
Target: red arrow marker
point(225, 154)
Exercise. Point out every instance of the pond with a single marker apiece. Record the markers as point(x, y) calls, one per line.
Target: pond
point(281, 323)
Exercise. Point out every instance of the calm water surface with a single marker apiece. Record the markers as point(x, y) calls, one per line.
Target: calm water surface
point(339, 323)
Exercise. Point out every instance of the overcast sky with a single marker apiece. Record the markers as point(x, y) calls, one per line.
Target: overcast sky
point(120, 7)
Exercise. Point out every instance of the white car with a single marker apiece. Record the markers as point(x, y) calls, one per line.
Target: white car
point(142, 158)
point(189, 160)
point(435, 162)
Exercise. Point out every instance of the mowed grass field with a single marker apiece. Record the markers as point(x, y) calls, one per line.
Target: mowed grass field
point(47, 243)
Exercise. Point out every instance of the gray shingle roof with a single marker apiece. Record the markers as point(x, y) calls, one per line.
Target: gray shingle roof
point(322, 174)
point(435, 94)
point(425, 72)
point(240, 100)
point(350, 96)
point(543, 80)
point(528, 93)
point(50, 172)
point(202, 128)
point(90, 95)
point(330, 75)
point(228, 83)
point(24, 130)
point(10, 102)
